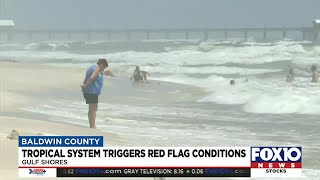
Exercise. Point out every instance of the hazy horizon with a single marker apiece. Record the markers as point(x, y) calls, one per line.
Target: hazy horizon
point(84, 14)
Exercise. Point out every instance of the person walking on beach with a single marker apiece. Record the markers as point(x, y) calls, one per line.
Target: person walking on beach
point(92, 86)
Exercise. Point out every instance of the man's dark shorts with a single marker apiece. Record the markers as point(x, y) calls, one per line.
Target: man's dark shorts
point(90, 98)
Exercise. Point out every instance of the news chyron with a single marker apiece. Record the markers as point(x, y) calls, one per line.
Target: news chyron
point(87, 156)
point(276, 161)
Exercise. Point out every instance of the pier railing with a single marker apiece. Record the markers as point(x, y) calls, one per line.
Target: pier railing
point(307, 33)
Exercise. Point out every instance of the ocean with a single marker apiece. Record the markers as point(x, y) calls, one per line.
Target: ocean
point(265, 111)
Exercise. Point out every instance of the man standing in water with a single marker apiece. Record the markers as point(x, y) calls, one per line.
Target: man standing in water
point(315, 75)
point(92, 86)
point(290, 76)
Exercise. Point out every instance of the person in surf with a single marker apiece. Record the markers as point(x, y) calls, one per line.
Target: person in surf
point(139, 76)
point(315, 74)
point(144, 76)
point(290, 76)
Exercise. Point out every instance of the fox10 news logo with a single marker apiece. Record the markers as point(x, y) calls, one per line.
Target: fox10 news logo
point(276, 161)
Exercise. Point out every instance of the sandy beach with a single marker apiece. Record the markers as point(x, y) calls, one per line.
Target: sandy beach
point(25, 84)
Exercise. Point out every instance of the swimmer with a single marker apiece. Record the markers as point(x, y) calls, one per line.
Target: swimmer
point(144, 75)
point(136, 75)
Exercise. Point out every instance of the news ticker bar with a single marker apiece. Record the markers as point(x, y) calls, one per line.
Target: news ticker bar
point(153, 172)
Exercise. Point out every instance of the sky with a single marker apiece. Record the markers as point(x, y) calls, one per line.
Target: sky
point(104, 14)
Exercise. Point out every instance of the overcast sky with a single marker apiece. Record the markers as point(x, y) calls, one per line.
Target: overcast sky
point(83, 14)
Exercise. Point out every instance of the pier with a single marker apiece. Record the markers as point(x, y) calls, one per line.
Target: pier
point(11, 33)
point(307, 33)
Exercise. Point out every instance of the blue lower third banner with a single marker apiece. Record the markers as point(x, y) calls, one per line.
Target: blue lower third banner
point(153, 172)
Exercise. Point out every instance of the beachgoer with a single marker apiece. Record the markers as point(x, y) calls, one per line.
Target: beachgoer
point(91, 88)
point(136, 76)
point(232, 82)
point(315, 74)
point(290, 76)
point(144, 75)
